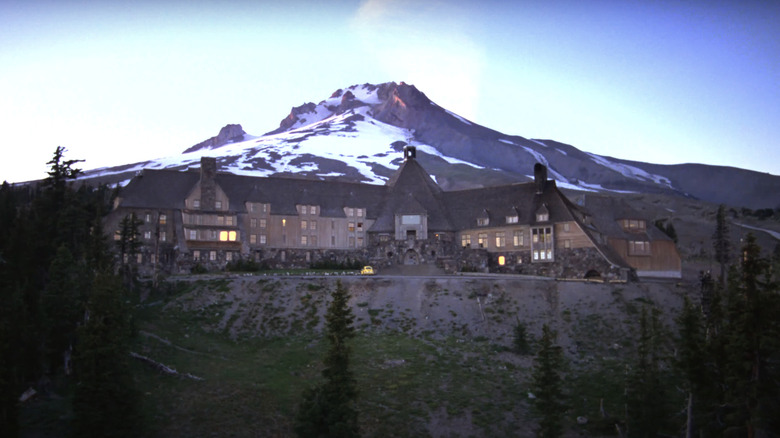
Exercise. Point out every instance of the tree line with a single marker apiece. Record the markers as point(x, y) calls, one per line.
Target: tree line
point(64, 321)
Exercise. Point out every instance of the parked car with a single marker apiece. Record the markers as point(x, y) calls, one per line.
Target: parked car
point(367, 270)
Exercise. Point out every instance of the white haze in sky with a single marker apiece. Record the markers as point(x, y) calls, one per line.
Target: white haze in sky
point(121, 82)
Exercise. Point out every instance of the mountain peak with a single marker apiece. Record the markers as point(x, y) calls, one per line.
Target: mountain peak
point(228, 134)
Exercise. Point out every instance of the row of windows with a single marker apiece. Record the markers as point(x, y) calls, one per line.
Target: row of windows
point(217, 204)
point(262, 239)
point(354, 212)
point(636, 225)
point(198, 219)
point(639, 248)
point(540, 217)
point(210, 255)
point(221, 235)
point(162, 218)
point(518, 239)
point(147, 235)
point(307, 209)
point(256, 207)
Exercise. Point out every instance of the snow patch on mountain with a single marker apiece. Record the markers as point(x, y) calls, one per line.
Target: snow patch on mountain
point(630, 171)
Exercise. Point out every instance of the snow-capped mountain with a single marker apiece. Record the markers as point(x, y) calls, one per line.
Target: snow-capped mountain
point(357, 134)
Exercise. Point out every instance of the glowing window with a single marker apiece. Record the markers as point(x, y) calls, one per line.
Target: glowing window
point(501, 260)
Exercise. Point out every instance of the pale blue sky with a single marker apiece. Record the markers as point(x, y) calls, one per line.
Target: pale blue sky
point(656, 81)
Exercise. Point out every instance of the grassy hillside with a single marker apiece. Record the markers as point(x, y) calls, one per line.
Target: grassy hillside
point(432, 357)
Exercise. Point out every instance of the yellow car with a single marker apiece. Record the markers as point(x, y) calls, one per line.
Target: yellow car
point(367, 270)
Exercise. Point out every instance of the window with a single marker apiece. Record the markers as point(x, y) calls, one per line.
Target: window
point(351, 242)
point(542, 217)
point(465, 240)
point(567, 243)
point(148, 218)
point(501, 260)
point(313, 240)
point(220, 220)
point(163, 236)
point(196, 255)
point(636, 225)
point(360, 212)
point(542, 243)
point(229, 220)
point(500, 239)
point(511, 219)
point(252, 207)
point(139, 258)
point(163, 219)
point(483, 221)
point(360, 226)
point(218, 205)
point(360, 242)
point(411, 219)
point(350, 211)
point(263, 239)
point(227, 236)
point(638, 248)
point(147, 235)
point(482, 240)
point(517, 238)
point(253, 223)
point(265, 208)
point(196, 203)
point(253, 238)
point(332, 240)
point(229, 256)
point(312, 209)
point(262, 223)
point(312, 225)
point(213, 234)
point(193, 234)
point(304, 240)
point(351, 226)
point(284, 222)
point(152, 258)
point(212, 255)
point(566, 227)
point(304, 225)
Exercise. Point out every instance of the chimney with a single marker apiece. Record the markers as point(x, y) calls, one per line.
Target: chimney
point(208, 186)
point(540, 177)
point(410, 153)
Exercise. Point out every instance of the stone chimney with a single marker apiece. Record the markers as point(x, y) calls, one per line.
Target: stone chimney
point(410, 153)
point(540, 177)
point(208, 186)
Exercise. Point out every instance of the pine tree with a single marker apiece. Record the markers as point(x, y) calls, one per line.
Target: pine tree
point(691, 362)
point(329, 410)
point(105, 403)
point(721, 243)
point(549, 405)
point(646, 398)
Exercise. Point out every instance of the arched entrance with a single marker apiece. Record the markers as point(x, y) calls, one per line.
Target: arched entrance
point(411, 257)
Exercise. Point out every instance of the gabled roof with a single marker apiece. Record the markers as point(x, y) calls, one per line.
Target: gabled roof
point(607, 211)
point(161, 189)
point(412, 190)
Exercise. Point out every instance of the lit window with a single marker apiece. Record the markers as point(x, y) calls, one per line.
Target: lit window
point(263, 239)
point(196, 255)
point(163, 219)
point(465, 240)
point(196, 203)
point(517, 238)
point(147, 235)
point(360, 226)
point(313, 209)
point(511, 219)
point(253, 238)
point(304, 240)
point(501, 260)
point(500, 239)
point(148, 218)
point(542, 217)
point(284, 222)
point(193, 234)
point(482, 240)
point(223, 236)
point(232, 236)
point(218, 205)
point(262, 223)
point(483, 221)
point(163, 236)
point(351, 226)
point(639, 248)
point(360, 212)
point(542, 243)
point(350, 211)
point(304, 225)
point(212, 255)
point(229, 220)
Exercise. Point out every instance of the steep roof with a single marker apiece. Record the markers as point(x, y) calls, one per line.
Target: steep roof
point(607, 211)
point(412, 190)
point(158, 189)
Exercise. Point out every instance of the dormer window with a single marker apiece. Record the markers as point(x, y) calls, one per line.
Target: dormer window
point(218, 205)
point(512, 219)
point(483, 221)
point(542, 217)
point(196, 203)
point(634, 225)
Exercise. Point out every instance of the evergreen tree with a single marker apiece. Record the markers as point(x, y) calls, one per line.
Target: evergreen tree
point(646, 398)
point(691, 362)
point(129, 244)
point(329, 410)
point(105, 403)
point(751, 346)
point(721, 243)
point(549, 405)
point(520, 343)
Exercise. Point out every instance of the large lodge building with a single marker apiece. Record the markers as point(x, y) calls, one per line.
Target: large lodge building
point(210, 219)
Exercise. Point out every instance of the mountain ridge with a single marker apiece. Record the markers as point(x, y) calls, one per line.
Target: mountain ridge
point(358, 132)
